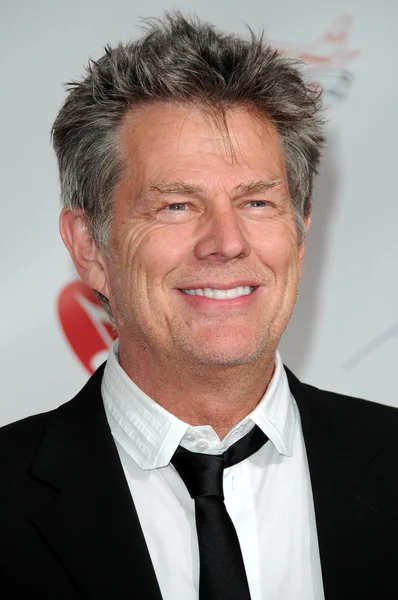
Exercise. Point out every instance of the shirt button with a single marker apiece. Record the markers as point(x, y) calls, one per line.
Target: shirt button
point(189, 437)
point(202, 446)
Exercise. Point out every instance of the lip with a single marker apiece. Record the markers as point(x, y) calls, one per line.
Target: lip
point(219, 286)
point(203, 303)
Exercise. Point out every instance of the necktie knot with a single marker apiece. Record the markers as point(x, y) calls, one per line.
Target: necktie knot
point(201, 473)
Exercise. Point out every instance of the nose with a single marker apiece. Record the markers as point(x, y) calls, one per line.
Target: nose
point(223, 237)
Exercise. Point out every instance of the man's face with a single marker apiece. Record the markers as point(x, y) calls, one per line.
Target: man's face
point(205, 262)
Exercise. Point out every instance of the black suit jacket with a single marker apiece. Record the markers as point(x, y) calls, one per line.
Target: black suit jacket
point(69, 529)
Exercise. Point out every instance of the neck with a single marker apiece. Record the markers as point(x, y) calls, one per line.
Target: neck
point(220, 396)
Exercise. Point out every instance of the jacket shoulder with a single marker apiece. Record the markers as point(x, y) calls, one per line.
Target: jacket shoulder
point(20, 440)
point(351, 403)
point(325, 403)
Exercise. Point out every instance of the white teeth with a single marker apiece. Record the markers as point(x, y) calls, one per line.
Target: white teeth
point(242, 290)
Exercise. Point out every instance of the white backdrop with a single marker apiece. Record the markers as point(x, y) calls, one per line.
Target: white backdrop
point(344, 334)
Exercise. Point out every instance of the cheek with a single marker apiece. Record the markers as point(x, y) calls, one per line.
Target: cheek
point(152, 254)
point(278, 251)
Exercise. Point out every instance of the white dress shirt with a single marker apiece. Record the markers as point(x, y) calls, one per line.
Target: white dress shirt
point(268, 495)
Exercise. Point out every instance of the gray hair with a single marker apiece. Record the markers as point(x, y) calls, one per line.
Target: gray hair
point(186, 60)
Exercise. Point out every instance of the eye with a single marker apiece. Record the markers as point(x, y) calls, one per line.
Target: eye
point(177, 206)
point(176, 212)
point(258, 203)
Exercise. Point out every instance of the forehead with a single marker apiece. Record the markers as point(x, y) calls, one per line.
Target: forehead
point(169, 140)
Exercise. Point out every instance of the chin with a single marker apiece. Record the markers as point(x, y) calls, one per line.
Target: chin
point(220, 355)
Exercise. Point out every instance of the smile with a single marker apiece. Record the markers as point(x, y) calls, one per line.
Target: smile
point(217, 294)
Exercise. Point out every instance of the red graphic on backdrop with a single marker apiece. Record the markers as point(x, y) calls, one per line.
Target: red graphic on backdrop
point(86, 324)
point(327, 59)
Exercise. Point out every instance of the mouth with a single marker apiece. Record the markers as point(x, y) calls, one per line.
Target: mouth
point(221, 294)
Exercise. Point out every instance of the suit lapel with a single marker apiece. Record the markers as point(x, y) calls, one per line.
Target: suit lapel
point(90, 522)
point(353, 498)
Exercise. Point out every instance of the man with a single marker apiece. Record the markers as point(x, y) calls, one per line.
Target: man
point(194, 465)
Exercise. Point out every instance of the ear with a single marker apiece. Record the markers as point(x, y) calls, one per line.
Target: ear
point(301, 250)
point(88, 260)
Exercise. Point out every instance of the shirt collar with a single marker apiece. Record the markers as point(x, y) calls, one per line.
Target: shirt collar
point(150, 434)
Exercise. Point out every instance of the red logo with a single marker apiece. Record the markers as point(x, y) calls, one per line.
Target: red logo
point(86, 324)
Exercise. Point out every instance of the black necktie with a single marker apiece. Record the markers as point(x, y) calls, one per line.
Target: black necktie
point(222, 571)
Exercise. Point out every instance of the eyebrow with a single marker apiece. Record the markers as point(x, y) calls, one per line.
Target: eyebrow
point(256, 187)
point(191, 189)
point(176, 187)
